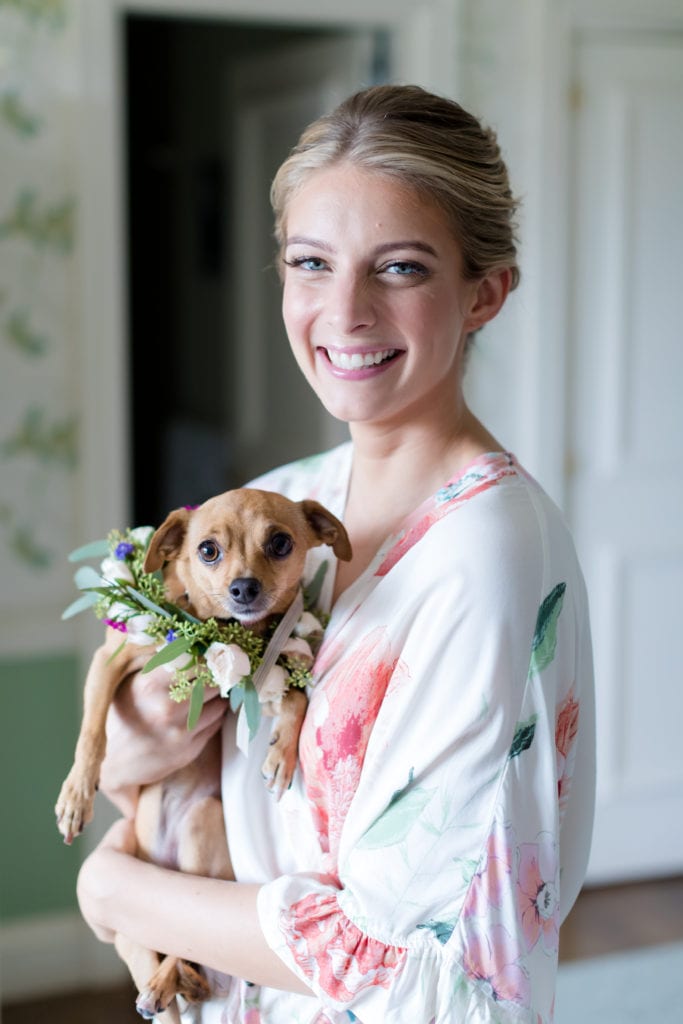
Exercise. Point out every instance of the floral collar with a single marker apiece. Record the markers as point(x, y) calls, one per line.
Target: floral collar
point(249, 670)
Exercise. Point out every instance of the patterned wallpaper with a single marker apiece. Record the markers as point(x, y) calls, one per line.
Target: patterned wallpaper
point(39, 341)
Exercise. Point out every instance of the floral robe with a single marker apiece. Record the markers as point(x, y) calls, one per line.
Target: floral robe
point(439, 825)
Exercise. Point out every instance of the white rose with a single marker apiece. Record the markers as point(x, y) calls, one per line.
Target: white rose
point(298, 648)
point(119, 612)
point(228, 664)
point(141, 534)
point(274, 687)
point(115, 569)
point(307, 624)
point(135, 630)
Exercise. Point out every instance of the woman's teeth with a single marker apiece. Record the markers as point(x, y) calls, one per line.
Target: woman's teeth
point(359, 360)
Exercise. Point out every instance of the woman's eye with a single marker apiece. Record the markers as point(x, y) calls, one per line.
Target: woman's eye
point(404, 268)
point(209, 551)
point(280, 545)
point(313, 263)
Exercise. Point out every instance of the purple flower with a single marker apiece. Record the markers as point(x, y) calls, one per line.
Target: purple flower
point(170, 636)
point(115, 624)
point(123, 550)
point(190, 508)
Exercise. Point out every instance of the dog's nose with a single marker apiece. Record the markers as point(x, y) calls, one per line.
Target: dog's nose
point(244, 590)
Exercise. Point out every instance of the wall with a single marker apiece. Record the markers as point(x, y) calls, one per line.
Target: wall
point(39, 425)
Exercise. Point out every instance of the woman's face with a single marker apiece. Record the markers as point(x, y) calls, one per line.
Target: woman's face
point(374, 302)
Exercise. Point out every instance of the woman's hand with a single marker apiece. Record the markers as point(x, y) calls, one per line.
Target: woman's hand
point(148, 738)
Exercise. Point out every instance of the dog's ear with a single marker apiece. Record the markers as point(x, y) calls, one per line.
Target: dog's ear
point(167, 540)
point(328, 529)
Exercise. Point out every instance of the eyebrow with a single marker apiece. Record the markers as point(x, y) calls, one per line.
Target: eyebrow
point(414, 244)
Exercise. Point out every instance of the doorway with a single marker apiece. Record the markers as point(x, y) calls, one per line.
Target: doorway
point(211, 109)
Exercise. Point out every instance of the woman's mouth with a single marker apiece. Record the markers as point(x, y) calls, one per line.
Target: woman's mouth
point(359, 360)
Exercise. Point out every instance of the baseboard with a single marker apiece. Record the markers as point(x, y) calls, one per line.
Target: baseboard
point(50, 954)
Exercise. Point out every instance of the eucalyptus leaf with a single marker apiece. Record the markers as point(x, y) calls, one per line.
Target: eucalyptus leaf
point(149, 605)
point(236, 697)
point(196, 704)
point(168, 653)
point(95, 549)
point(252, 707)
point(86, 578)
point(86, 600)
point(312, 590)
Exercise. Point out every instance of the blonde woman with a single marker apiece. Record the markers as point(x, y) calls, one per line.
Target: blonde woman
point(439, 826)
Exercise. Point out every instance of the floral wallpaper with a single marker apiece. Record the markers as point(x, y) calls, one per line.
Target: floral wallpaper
point(38, 292)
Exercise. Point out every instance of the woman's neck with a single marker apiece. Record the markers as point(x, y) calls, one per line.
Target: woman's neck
point(394, 471)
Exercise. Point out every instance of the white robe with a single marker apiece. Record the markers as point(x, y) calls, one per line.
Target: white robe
point(438, 828)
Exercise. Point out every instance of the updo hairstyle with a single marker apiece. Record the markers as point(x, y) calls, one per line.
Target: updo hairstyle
point(427, 143)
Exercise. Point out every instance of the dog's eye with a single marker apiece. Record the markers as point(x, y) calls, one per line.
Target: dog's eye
point(209, 551)
point(279, 545)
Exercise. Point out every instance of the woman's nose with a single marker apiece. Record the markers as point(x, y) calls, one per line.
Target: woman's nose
point(350, 305)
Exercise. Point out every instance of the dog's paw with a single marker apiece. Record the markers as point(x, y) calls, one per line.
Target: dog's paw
point(74, 807)
point(173, 978)
point(279, 766)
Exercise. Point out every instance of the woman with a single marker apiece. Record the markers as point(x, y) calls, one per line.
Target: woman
point(421, 865)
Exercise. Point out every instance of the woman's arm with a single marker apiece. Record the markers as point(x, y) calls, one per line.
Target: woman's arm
point(203, 920)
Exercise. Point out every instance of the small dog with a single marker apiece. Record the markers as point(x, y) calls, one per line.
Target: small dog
point(238, 556)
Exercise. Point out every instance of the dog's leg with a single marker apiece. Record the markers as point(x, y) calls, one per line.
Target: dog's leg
point(74, 808)
point(142, 964)
point(202, 850)
point(280, 764)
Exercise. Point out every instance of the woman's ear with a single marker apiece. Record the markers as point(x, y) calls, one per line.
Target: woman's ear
point(488, 298)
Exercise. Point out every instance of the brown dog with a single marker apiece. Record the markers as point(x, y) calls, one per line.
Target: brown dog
point(238, 556)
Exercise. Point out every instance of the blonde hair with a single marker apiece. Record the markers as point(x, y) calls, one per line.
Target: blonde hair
point(428, 143)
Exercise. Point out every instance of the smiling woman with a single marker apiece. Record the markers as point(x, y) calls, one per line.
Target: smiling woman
point(437, 830)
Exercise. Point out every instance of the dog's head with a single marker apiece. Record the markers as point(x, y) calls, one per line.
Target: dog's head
point(241, 554)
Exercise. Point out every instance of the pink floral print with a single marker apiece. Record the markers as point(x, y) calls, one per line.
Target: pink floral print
point(485, 472)
point(332, 952)
point(491, 958)
point(538, 894)
point(336, 733)
point(566, 731)
point(492, 879)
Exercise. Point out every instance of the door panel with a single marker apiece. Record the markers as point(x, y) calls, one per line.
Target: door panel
point(625, 488)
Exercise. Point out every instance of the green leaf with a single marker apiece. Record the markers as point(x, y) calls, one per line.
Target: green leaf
point(176, 647)
point(442, 930)
point(146, 603)
point(545, 635)
point(116, 652)
point(86, 578)
point(96, 549)
point(394, 824)
point(524, 736)
point(312, 590)
point(236, 697)
point(196, 704)
point(252, 708)
point(86, 600)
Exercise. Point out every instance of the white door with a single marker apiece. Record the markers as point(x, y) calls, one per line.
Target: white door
point(273, 98)
point(625, 460)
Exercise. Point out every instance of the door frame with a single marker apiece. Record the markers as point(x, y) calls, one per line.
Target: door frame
point(423, 43)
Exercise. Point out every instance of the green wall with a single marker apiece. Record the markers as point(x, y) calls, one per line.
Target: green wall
point(40, 697)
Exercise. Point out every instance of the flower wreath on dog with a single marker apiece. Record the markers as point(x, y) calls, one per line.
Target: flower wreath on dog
point(248, 669)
